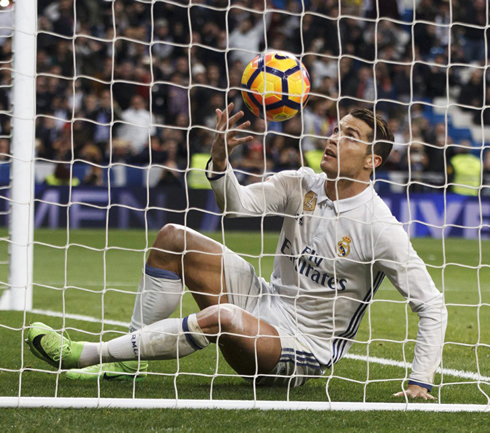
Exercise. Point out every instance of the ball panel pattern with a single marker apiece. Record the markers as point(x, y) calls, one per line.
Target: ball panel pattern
point(276, 83)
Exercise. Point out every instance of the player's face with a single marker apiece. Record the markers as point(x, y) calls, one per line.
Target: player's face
point(347, 149)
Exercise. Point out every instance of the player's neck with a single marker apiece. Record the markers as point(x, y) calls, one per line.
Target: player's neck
point(341, 189)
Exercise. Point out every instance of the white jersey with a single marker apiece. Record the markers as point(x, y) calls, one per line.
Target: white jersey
point(332, 257)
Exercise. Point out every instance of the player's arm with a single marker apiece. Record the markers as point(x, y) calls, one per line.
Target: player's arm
point(231, 197)
point(225, 139)
point(396, 257)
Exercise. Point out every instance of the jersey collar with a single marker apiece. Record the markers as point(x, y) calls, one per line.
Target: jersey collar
point(347, 204)
point(358, 200)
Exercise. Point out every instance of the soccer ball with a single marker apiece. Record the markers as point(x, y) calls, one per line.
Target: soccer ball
point(275, 84)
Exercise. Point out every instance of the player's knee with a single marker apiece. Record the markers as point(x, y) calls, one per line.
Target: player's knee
point(222, 318)
point(229, 317)
point(170, 238)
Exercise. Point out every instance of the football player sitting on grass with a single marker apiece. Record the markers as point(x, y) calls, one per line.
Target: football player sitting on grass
point(338, 242)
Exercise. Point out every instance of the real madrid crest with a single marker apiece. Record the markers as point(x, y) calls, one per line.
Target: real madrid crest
point(344, 246)
point(309, 203)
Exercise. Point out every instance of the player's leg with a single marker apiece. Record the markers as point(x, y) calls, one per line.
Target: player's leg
point(195, 258)
point(178, 255)
point(249, 345)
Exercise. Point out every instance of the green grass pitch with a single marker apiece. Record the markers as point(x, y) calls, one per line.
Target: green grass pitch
point(95, 274)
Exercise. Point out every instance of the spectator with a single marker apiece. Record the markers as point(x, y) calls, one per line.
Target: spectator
point(437, 78)
point(425, 40)
point(177, 99)
point(43, 97)
point(61, 15)
point(6, 23)
point(472, 92)
point(4, 150)
point(89, 53)
point(385, 8)
point(155, 154)
point(417, 163)
point(246, 38)
point(255, 163)
point(398, 153)
point(323, 67)
point(467, 170)
point(173, 169)
point(119, 150)
point(443, 19)
point(391, 39)
point(428, 132)
point(353, 39)
point(289, 159)
point(317, 124)
point(88, 110)
point(478, 117)
point(61, 176)
point(112, 56)
point(275, 144)
point(138, 125)
point(64, 58)
point(439, 155)
point(385, 91)
point(106, 112)
point(402, 80)
point(124, 89)
point(474, 34)
point(486, 165)
point(62, 145)
point(47, 133)
point(95, 174)
point(61, 111)
point(163, 42)
point(362, 86)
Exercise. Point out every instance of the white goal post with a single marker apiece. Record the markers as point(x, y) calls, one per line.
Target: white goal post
point(108, 182)
point(18, 295)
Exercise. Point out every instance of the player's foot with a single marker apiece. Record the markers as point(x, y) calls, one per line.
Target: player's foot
point(119, 371)
point(48, 345)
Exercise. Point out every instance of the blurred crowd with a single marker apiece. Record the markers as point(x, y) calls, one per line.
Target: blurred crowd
point(124, 81)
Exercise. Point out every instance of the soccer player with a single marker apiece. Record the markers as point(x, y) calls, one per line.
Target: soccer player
point(338, 242)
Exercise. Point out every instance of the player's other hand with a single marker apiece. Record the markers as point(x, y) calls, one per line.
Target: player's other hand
point(226, 139)
point(415, 391)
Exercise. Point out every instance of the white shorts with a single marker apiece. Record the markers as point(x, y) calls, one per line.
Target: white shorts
point(253, 294)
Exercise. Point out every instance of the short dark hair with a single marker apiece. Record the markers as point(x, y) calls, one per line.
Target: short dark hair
point(384, 137)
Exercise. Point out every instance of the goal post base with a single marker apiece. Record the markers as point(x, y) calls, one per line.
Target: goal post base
point(129, 403)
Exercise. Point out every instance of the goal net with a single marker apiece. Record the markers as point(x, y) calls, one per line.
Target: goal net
point(112, 107)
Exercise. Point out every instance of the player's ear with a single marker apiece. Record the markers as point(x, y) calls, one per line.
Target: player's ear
point(373, 161)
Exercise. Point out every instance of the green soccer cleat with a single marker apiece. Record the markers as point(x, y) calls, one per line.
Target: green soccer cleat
point(117, 371)
point(48, 345)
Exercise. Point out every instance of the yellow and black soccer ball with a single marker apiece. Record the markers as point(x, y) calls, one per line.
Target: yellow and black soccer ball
point(275, 86)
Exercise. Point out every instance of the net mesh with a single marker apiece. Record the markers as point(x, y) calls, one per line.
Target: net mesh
point(125, 119)
point(6, 19)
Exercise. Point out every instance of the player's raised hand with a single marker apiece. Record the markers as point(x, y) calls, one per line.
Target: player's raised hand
point(415, 391)
point(226, 138)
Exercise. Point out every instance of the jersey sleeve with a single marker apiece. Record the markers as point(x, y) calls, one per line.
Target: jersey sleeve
point(396, 257)
point(235, 200)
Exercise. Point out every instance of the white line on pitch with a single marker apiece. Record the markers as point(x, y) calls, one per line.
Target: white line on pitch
point(79, 317)
point(391, 362)
point(83, 284)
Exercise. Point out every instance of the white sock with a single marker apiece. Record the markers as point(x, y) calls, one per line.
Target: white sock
point(166, 339)
point(159, 294)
